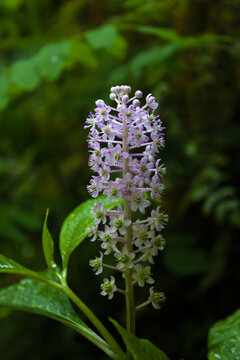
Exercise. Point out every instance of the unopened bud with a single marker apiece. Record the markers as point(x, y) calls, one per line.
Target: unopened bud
point(125, 99)
point(138, 94)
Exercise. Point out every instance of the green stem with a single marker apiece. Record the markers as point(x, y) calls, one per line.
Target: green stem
point(95, 321)
point(141, 306)
point(130, 306)
point(80, 304)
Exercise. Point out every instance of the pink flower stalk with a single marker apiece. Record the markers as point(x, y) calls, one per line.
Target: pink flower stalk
point(124, 142)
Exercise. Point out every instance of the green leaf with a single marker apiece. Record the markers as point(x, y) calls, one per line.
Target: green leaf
point(119, 48)
point(35, 296)
point(102, 37)
point(47, 243)
point(51, 58)
point(4, 84)
point(163, 33)
point(24, 74)
point(155, 55)
point(81, 52)
point(224, 339)
point(9, 266)
point(140, 349)
point(76, 226)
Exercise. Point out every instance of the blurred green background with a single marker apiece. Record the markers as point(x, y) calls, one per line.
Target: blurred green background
point(57, 57)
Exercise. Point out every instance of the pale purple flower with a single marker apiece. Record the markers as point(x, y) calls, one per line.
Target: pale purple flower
point(136, 136)
point(138, 202)
point(104, 172)
point(150, 100)
point(156, 187)
point(119, 223)
point(113, 190)
point(94, 187)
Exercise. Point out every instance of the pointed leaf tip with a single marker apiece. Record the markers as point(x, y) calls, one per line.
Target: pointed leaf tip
point(48, 245)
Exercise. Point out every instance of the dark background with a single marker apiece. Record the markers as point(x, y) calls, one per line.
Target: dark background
point(56, 59)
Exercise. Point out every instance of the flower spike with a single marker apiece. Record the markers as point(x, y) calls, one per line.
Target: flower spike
point(124, 143)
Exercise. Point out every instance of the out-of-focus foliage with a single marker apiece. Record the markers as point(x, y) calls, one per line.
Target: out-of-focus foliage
point(56, 59)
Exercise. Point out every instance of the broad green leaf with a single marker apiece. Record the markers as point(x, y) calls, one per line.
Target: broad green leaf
point(24, 74)
point(224, 339)
point(140, 349)
point(9, 266)
point(76, 226)
point(155, 55)
point(47, 63)
point(81, 52)
point(35, 296)
point(51, 58)
point(47, 243)
point(102, 37)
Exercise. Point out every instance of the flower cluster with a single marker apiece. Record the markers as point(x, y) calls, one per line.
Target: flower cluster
point(124, 143)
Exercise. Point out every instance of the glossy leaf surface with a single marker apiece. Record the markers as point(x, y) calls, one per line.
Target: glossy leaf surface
point(76, 226)
point(9, 266)
point(35, 296)
point(224, 339)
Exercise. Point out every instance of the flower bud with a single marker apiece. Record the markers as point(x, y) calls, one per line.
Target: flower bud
point(99, 102)
point(136, 103)
point(138, 94)
point(112, 96)
point(125, 99)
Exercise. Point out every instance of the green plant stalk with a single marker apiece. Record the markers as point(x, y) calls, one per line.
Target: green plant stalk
point(95, 321)
point(141, 306)
point(80, 304)
point(130, 306)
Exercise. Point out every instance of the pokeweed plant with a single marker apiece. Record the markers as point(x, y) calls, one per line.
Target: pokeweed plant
point(124, 143)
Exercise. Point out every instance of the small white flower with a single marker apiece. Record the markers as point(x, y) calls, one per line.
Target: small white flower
point(108, 287)
point(142, 275)
point(156, 298)
point(125, 259)
point(96, 264)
